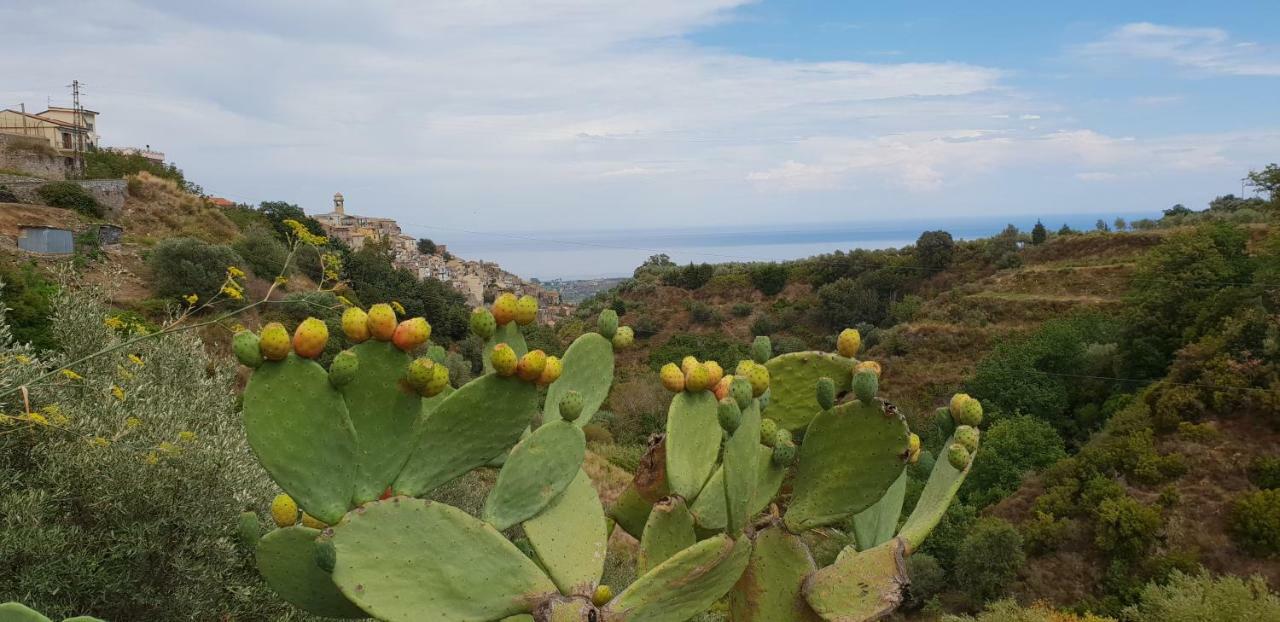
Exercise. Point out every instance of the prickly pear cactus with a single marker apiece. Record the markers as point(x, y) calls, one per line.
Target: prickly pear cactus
point(816, 416)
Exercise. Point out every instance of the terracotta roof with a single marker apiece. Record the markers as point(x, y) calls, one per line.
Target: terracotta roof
point(46, 120)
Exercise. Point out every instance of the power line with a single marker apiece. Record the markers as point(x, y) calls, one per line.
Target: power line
point(1147, 381)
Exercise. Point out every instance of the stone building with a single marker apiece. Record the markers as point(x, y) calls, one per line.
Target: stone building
point(355, 230)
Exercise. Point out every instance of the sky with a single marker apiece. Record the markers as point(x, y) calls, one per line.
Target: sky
point(583, 115)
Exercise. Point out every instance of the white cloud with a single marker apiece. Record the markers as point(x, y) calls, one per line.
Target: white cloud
point(1210, 50)
point(1029, 117)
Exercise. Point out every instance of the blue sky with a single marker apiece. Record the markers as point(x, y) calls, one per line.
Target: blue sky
point(581, 115)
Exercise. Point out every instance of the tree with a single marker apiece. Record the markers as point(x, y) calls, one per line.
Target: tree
point(1038, 233)
point(1010, 449)
point(426, 246)
point(279, 211)
point(1267, 180)
point(934, 250)
point(1120, 224)
point(769, 278)
point(989, 559)
point(1177, 210)
point(845, 303)
point(1101, 225)
point(264, 254)
point(1066, 230)
point(183, 266)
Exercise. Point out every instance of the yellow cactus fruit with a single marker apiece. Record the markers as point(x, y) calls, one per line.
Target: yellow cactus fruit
point(687, 363)
point(530, 367)
point(697, 378)
point(504, 308)
point(355, 325)
point(274, 342)
point(715, 371)
point(504, 360)
point(284, 511)
point(672, 377)
point(551, 371)
point(310, 338)
point(870, 366)
point(849, 342)
point(382, 321)
point(602, 595)
point(526, 310)
point(312, 522)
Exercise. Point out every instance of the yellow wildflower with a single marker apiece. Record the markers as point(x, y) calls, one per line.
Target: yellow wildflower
point(135, 359)
point(114, 323)
point(344, 300)
point(23, 359)
point(151, 458)
point(281, 280)
point(237, 327)
point(124, 373)
point(233, 291)
point(132, 422)
point(98, 441)
point(191, 299)
point(169, 449)
point(36, 418)
point(117, 392)
point(305, 235)
point(140, 329)
point(187, 436)
point(234, 272)
point(398, 307)
point(54, 412)
point(70, 375)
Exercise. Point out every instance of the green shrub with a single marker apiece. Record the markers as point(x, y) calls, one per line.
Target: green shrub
point(708, 347)
point(112, 510)
point(928, 579)
point(69, 195)
point(845, 303)
point(182, 266)
point(1010, 611)
point(103, 164)
point(905, 310)
point(1125, 528)
point(701, 313)
point(29, 297)
point(1011, 448)
point(1046, 532)
point(1201, 597)
point(625, 457)
point(989, 559)
point(769, 278)
point(1254, 522)
point(764, 324)
point(645, 327)
point(1264, 472)
point(264, 254)
point(945, 540)
point(691, 276)
point(741, 309)
point(786, 344)
point(7, 195)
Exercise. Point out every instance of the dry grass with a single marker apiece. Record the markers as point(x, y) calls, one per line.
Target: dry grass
point(157, 208)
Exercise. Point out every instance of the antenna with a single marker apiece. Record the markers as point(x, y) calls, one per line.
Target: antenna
point(76, 114)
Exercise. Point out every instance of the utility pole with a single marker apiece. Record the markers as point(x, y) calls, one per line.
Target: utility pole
point(23, 107)
point(78, 144)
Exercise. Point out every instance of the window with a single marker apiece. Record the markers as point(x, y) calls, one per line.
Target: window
point(66, 140)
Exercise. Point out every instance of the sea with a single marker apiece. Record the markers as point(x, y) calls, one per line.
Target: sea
point(605, 253)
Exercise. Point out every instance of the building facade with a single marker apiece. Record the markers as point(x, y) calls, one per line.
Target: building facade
point(67, 132)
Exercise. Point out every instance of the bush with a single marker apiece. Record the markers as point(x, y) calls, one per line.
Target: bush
point(928, 579)
point(764, 324)
point(625, 457)
point(1010, 449)
point(1010, 611)
point(1264, 472)
point(262, 252)
point(1126, 528)
point(844, 303)
point(112, 510)
point(1196, 598)
point(701, 313)
point(103, 164)
point(709, 347)
point(741, 309)
point(69, 195)
point(1254, 522)
point(691, 276)
point(906, 309)
point(7, 195)
point(945, 540)
point(29, 297)
point(769, 278)
point(934, 250)
point(989, 559)
point(182, 266)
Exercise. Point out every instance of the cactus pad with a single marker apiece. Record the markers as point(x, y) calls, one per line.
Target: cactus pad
point(859, 586)
point(470, 427)
point(793, 401)
point(668, 531)
point(938, 492)
point(18, 612)
point(447, 565)
point(385, 413)
point(877, 524)
point(772, 586)
point(297, 425)
point(693, 442)
point(740, 469)
point(286, 559)
point(588, 369)
point(683, 586)
point(538, 469)
point(710, 509)
point(850, 457)
point(630, 511)
point(570, 538)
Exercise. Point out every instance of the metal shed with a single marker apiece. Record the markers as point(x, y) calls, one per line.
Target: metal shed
point(45, 240)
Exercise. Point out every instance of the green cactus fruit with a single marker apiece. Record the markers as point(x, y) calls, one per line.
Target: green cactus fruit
point(248, 530)
point(729, 414)
point(551, 371)
point(439, 381)
point(761, 349)
point(408, 559)
point(970, 413)
point(865, 386)
point(571, 406)
point(411, 333)
point(245, 346)
point(504, 360)
point(343, 369)
point(943, 421)
point(326, 554)
point(740, 391)
point(758, 376)
point(530, 366)
point(274, 342)
point(624, 337)
point(768, 432)
point(826, 393)
point(784, 454)
point(438, 354)
point(310, 338)
point(419, 374)
point(483, 323)
point(672, 378)
point(526, 310)
point(602, 595)
point(958, 456)
point(382, 321)
point(355, 325)
point(848, 343)
point(287, 560)
point(504, 308)
point(697, 378)
point(968, 436)
point(608, 323)
point(783, 436)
